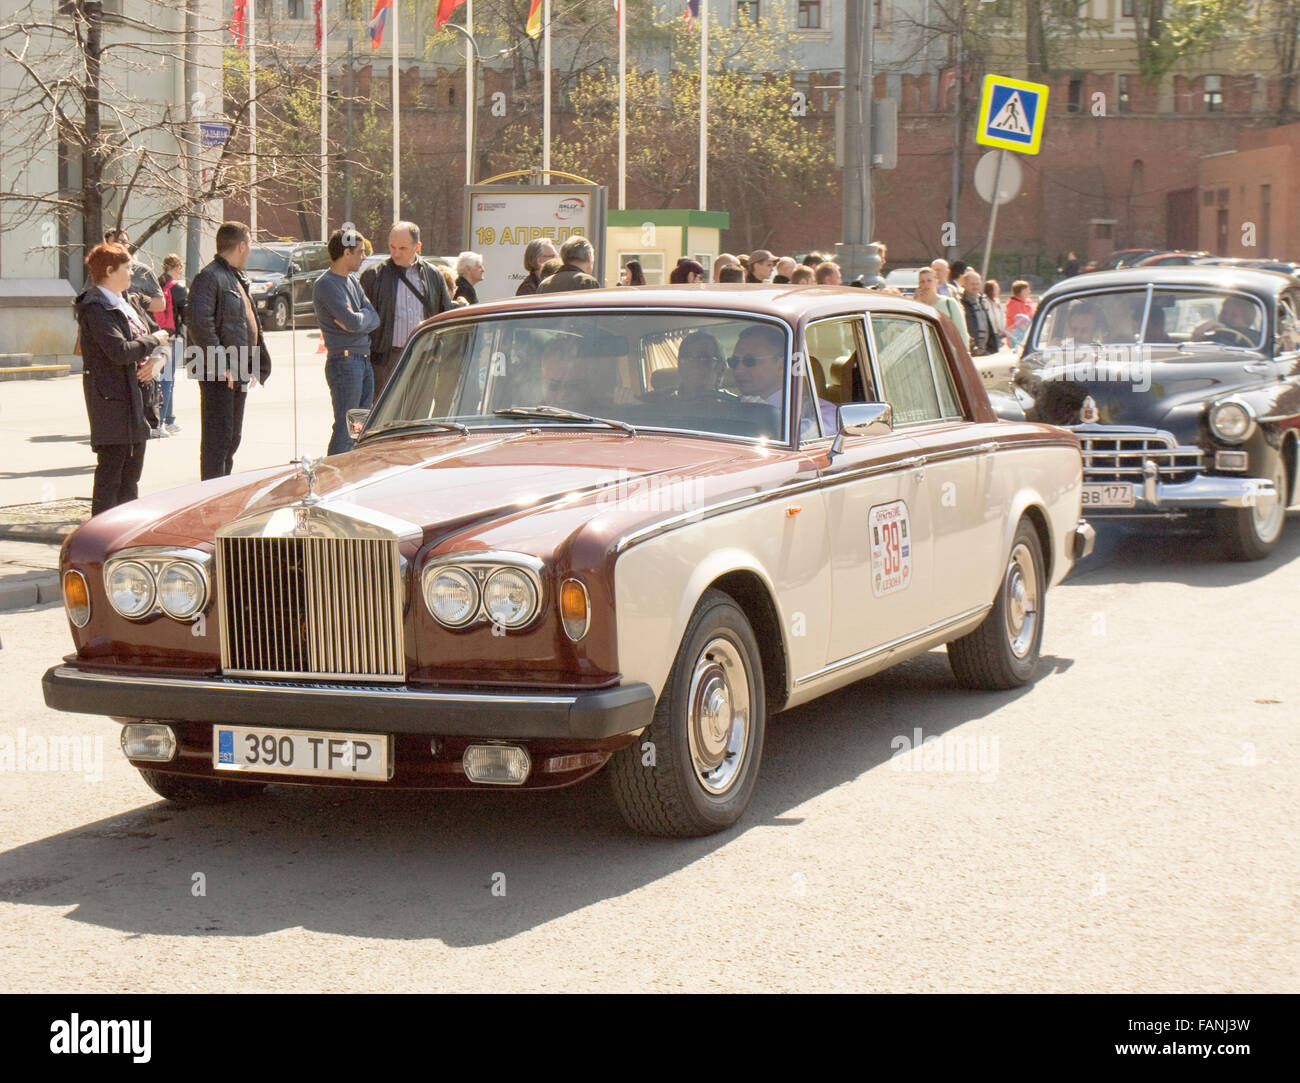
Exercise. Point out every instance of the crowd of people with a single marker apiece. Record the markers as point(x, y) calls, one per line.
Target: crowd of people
point(135, 328)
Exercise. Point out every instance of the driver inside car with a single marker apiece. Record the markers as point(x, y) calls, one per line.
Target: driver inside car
point(1235, 325)
point(700, 367)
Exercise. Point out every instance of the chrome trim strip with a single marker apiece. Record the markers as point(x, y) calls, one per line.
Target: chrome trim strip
point(406, 695)
point(892, 646)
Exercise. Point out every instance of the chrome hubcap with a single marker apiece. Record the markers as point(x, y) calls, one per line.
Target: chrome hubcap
point(1020, 591)
point(1269, 512)
point(719, 715)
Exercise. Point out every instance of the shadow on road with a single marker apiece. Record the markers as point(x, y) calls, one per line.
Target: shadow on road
point(79, 438)
point(47, 472)
point(1164, 554)
point(413, 866)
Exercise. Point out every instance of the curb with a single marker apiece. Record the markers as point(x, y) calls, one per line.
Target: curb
point(28, 589)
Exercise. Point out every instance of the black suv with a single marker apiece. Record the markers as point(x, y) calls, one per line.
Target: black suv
point(282, 276)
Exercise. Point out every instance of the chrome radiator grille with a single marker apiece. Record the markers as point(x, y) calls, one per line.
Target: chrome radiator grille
point(315, 607)
point(1119, 457)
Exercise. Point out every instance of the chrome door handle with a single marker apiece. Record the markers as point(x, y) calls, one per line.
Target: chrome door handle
point(986, 449)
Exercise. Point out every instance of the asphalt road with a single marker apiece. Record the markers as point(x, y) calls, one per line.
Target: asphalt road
point(1131, 826)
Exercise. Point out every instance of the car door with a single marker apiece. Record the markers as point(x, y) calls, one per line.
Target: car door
point(967, 506)
point(876, 509)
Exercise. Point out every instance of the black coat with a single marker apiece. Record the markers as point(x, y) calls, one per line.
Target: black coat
point(110, 351)
point(568, 277)
point(215, 316)
point(380, 284)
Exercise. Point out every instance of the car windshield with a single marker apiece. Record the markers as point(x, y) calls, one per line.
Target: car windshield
point(691, 371)
point(266, 259)
point(1176, 316)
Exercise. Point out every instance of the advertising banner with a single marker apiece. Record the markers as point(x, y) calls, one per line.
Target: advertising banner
point(500, 220)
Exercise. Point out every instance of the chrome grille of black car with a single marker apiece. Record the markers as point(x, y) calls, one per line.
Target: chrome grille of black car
point(314, 607)
point(1119, 456)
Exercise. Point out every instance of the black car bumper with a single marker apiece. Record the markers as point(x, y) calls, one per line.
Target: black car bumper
point(594, 715)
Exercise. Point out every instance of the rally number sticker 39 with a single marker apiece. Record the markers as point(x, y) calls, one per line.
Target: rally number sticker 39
point(891, 548)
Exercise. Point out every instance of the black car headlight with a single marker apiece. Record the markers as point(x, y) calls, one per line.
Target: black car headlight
point(1231, 421)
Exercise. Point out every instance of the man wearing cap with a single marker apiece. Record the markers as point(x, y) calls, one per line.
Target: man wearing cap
point(761, 263)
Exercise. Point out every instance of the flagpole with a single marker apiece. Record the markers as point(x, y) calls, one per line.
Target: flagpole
point(324, 123)
point(622, 106)
point(704, 105)
point(546, 90)
point(252, 119)
point(397, 123)
point(469, 94)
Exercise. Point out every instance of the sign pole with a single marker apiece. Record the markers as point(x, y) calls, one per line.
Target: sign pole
point(993, 214)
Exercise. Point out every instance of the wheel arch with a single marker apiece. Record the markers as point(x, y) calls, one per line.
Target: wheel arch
point(747, 589)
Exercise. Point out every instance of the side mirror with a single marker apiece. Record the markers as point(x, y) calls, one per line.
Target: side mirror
point(357, 421)
point(862, 419)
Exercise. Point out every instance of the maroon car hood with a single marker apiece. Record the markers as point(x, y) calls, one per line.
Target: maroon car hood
point(440, 481)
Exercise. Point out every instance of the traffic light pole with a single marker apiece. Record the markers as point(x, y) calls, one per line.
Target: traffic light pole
point(854, 253)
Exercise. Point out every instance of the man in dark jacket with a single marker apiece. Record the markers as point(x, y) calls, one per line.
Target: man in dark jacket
point(979, 316)
point(224, 324)
point(405, 292)
point(576, 274)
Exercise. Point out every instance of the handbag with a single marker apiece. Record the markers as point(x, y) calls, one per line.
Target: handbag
point(151, 399)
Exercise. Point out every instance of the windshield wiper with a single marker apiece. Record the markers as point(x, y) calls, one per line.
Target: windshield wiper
point(422, 423)
point(563, 415)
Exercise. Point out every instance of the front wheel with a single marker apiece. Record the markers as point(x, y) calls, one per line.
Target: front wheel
point(694, 768)
point(197, 791)
point(279, 316)
point(1003, 651)
point(1253, 533)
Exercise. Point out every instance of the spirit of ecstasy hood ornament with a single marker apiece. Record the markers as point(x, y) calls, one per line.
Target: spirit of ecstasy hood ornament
point(307, 468)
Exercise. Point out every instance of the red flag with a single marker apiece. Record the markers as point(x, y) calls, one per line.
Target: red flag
point(319, 23)
point(445, 8)
point(237, 22)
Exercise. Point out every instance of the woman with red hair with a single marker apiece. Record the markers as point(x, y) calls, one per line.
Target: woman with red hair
point(120, 354)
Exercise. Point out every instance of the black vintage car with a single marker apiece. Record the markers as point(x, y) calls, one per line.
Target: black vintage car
point(1183, 385)
point(282, 277)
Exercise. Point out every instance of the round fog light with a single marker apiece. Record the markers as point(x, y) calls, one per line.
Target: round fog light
point(149, 741)
point(500, 765)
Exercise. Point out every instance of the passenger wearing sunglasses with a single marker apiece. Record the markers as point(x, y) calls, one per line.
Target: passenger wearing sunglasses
point(758, 364)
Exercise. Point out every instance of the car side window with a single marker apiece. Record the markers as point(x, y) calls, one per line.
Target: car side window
point(948, 401)
point(904, 365)
point(1288, 325)
point(319, 259)
point(836, 360)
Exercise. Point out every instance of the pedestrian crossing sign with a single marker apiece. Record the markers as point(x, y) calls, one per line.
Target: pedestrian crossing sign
point(1011, 114)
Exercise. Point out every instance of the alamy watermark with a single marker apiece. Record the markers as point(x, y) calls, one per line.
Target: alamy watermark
point(82, 755)
point(949, 753)
point(1100, 363)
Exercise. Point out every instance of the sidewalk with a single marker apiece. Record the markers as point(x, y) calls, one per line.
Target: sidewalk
point(47, 465)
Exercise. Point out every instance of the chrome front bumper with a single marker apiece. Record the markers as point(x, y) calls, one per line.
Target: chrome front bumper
point(1156, 497)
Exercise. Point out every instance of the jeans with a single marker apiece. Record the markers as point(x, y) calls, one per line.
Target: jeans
point(352, 386)
point(222, 412)
point(117, 475)
point(168, 378)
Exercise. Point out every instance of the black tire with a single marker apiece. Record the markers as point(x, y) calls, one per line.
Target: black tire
point(655, 780)
point(1246, 535)
point(277, 316)
point(1003, 653)
point(197, 791)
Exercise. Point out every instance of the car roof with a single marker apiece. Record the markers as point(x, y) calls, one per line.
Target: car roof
point(790, 303)
point(1251, 279)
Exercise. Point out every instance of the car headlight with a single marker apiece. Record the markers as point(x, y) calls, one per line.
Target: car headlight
point(451, 594)
point(182, 590)
point(131, 589)
point(509, 598)
point(1231, 421)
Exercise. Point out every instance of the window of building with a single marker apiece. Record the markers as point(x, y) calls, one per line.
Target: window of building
point(878, 13)
point(296, 9)
point(1208, 199)
point(1126, 8)
point(1074, 102)
point(262, 9)
point(746, 11)
point(810, 14)
point(1213, 96)
point(451, 95)
point(1265, 219)
point(69, 7)
point(1125, 104)
point(652, 265)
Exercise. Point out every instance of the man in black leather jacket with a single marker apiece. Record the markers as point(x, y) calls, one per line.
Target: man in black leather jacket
point(223, 323)
point(423, 294)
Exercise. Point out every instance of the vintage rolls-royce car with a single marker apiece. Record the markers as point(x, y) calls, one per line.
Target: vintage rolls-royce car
point(605, 530)
point(1183, 386)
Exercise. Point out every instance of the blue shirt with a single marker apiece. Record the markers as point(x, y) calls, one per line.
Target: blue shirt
point(340, 297)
